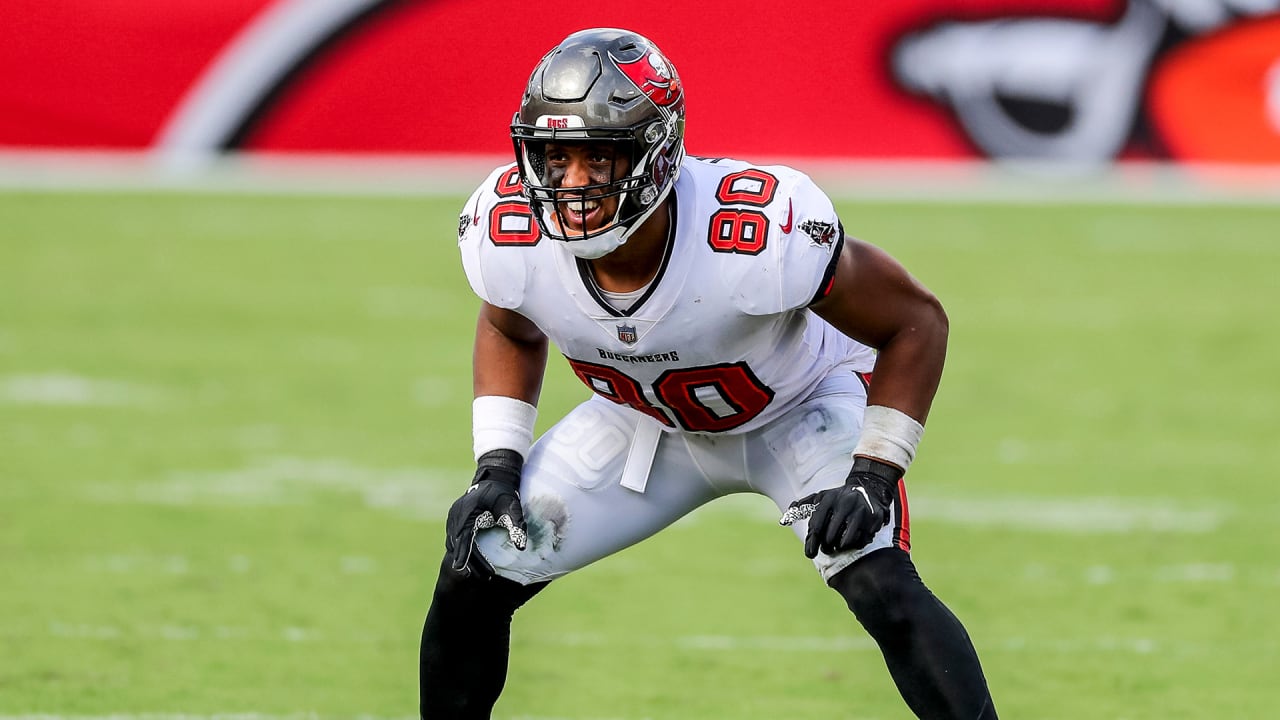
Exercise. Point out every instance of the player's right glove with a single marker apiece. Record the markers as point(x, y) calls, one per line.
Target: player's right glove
point(847, 517)
point(493, 500)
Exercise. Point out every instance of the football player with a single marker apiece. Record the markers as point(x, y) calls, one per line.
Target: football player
point(728, 329)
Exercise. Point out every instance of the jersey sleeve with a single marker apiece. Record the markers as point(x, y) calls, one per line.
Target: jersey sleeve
point(803, 241)
point(491, 257)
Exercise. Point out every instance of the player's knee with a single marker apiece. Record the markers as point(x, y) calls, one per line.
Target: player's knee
point(495, 596)
point(882, 589)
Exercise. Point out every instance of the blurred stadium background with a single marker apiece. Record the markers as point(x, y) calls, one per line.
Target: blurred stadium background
point(235, 345)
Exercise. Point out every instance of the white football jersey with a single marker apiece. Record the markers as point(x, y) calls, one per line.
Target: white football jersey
point(722, 340)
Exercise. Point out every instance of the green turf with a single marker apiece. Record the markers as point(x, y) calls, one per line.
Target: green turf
point(230, 427)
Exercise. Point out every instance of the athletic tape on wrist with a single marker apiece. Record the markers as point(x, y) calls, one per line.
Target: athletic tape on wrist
point(499, 422)
point(889, 435)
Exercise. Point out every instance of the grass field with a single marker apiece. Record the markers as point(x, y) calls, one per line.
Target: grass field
point(230, 427)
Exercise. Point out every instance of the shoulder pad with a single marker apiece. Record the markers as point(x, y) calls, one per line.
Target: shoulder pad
point(802, 238)
point(493, 227)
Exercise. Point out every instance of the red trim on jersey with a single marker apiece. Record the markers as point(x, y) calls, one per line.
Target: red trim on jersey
point(509, 183)
point(902, 538)
point(829, 275)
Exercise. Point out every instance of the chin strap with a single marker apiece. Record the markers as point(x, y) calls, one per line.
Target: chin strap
point(598, 246)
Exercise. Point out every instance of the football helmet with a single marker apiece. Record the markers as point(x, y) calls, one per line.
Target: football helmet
point(601, 85)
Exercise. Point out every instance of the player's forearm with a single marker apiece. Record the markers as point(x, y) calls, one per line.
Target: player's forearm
point(510, 355)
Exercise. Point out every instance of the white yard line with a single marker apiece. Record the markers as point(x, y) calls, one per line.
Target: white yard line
point(427, 493)
point(67, 389)
point(413, 492)
point(1089, 515)
point(1058, 515)
point(711, 643)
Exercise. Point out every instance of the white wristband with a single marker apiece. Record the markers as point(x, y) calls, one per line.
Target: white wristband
point(889, 435)
point(499, 422)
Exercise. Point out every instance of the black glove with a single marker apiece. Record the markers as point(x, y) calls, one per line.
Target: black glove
point(848, 517)
point(492, 500)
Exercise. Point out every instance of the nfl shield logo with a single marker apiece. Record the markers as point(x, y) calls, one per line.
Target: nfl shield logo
point(627, 334)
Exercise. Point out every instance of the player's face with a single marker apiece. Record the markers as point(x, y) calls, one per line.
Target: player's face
point(581, 165)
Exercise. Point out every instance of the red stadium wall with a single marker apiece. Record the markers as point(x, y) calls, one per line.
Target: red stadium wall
point(1055, 79)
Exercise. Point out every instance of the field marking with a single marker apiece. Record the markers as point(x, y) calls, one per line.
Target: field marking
point(1135, 646)
point(1198, 573)
point(927, 181)
point(178, 565)
point(1078, 515)
point(1035, 573)
point(70, 390)
point(776, 643)
point(413, 492)
point(427, 493)
point(437, 391)
point(712, 643)
point(1089, 515)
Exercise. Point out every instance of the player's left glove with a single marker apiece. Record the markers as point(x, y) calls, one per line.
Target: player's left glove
point(493, 500)
point(847, 517)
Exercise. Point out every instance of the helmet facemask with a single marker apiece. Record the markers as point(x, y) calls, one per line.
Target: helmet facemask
point(638, 191)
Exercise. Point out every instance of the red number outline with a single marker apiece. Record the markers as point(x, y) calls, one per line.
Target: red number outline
point(733, 382)
point(509, 183)
point(727, 195)
point(677, 388)
point(729, 228)
point(619, 387)
point(512, 208)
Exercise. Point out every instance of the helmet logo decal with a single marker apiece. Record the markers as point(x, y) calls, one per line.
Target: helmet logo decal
point(655, 78)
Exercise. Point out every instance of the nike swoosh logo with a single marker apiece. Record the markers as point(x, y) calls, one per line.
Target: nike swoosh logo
point(786, 226)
